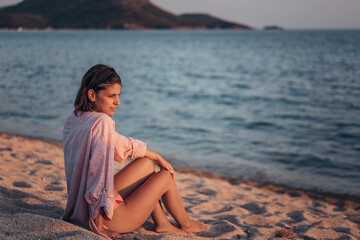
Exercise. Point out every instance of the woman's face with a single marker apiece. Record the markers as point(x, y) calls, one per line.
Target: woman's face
point(106, 100)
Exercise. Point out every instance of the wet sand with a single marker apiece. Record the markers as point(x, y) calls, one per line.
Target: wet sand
point(33, 196)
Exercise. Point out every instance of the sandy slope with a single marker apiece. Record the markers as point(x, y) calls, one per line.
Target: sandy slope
point(33, 196)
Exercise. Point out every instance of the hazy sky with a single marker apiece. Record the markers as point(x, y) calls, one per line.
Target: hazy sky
point(290, 14)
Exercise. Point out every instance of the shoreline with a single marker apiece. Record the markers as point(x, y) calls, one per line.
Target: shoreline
point(280, 188)
point(33, 197)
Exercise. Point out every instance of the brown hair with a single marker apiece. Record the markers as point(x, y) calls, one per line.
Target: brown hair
point(96, 78)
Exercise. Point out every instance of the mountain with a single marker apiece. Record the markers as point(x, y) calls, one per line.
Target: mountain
point(273, 27)
point(212, 22)
point(109, 14)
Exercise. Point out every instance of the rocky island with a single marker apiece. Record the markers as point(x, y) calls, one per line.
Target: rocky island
point(105, 14)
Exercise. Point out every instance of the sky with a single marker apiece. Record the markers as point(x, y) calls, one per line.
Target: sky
point(290, 14)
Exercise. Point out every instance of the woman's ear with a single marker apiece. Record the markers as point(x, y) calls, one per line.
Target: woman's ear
point(91, 95)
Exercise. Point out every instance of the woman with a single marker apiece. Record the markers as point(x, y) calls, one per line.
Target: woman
point(106, 203)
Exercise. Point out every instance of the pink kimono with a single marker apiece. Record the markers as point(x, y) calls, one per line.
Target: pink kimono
point(90, 147)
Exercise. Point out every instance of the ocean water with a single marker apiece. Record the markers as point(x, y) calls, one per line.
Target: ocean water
point(270, 106)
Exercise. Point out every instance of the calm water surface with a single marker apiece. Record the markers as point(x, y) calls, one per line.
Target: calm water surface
point(273, 106)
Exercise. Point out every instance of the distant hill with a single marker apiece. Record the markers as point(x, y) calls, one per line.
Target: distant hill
point(273, 27)
point(104, 14)
point(212, 22)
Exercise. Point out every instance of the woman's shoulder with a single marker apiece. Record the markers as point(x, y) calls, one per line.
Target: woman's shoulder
point(103, 119)
point(102, 124)
point(92, 115)
point(88, 119)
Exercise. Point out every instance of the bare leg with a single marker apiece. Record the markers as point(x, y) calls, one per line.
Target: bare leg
point(163, 224)
point(173, 203)
point(136, 208)
point(130, 178)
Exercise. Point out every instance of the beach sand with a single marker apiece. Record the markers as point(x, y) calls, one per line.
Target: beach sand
point(33, 196)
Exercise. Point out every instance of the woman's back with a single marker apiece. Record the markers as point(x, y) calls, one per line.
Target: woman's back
point(82, 141)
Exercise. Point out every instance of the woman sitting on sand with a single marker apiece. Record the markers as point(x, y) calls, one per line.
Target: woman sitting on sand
point(110, 204)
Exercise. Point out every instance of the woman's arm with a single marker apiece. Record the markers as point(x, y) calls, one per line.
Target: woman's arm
point(160, 161)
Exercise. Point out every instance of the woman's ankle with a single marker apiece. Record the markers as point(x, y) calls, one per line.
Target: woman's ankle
point(169, 228)
point(193, 226)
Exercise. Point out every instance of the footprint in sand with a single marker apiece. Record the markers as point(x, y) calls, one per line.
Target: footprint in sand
point(229, 218)
point(353, 218)
point(21, 184)
point(294, 194)
point(207, 192)
point(8, 149)
point(54, 186)
point(45, 162)
point(254, 208)
point(296, 216)
point(339, 209)
point(30, 155)
point(285, 233)
point(342, 230)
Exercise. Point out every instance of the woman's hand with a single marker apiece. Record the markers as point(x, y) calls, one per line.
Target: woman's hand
point(163, 164)
point(160, 161)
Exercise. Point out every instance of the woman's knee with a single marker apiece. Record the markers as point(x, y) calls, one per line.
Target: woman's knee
point(146, 164)
point(165, 180)
point(165, 175)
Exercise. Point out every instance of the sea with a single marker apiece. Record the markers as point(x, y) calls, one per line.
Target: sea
point(280, 107)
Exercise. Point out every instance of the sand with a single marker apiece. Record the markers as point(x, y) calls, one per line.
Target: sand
point(33, 196)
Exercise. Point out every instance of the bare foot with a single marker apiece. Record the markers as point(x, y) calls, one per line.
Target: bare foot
point(170, 229)
point(194, 227)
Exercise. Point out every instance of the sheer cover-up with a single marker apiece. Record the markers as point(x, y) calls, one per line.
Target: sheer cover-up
point(91, 146)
